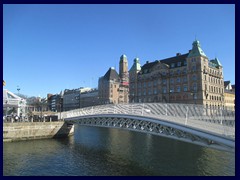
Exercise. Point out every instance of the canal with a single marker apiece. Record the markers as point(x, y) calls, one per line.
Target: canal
point(94, 151)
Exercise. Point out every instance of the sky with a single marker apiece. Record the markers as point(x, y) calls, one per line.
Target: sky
point(49, 48)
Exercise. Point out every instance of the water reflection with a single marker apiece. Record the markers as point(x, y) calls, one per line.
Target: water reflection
point(103, 151)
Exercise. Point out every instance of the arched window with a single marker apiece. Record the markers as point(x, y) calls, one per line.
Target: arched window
point(194, 86)
point(194, 77)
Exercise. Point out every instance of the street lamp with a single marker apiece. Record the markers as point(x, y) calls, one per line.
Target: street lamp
point(194, 96)
point(170, 91)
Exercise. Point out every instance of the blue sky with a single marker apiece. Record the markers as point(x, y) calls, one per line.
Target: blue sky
point(49, 48)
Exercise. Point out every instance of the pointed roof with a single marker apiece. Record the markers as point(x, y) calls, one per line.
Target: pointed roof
point(123, 57)
point(216, 61)
point(136, 65)
point(111, 74)
point(227, 83)
point(196, 50)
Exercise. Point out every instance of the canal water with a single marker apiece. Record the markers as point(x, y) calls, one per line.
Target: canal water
point(94, 151)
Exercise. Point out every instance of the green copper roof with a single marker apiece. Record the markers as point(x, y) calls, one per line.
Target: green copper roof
point(123, 56)
point(215, 63)
point(136, 65)
point(196, 50)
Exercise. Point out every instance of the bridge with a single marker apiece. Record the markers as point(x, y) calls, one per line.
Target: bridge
point(213, 128)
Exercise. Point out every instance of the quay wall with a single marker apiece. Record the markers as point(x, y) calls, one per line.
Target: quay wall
point(36, 130)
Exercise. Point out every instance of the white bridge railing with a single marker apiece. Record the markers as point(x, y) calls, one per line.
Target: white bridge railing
point(217, 121)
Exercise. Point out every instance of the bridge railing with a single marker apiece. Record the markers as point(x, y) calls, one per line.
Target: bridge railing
point(216, 120)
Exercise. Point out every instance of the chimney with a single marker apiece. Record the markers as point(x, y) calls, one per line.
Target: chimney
point(147, 62)
point(178, 54)
point(189, 51)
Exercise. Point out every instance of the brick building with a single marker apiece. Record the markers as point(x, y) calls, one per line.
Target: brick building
point(184, 78)
point(114, 87)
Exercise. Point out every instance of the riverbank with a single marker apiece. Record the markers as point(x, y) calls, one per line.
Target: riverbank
point(36, 130)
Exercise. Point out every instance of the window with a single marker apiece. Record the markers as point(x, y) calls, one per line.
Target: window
point(194, 77)
point(139, 93)
point(155, 82)
point(185, 71)
point(171, 89)
point(185, 88)
point(193, 60)
point(194, 87)
point(172, 65)
point(194, 68)
point(164, 90)
point(171, 73)
point(195, 96)
point(178, 71)
point(155, 91)
point(179, 64)
point(144, 92)
point(164, 81)
point(164, 73)
point(178, 88)
point(178, 80)
point(185, 63)
point(149, 84)
point(185, 79)
point(172, 80)
point(149, 92)
point(144, 84)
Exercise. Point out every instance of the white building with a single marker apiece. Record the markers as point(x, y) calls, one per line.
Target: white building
point(13, 104)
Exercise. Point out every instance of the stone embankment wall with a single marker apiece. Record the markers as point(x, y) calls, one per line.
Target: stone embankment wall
point(36, 130)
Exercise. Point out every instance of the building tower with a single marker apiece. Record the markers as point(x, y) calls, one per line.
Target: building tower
point(133, 74)
point(205, 78)
point(124, 79)
point(123, 68)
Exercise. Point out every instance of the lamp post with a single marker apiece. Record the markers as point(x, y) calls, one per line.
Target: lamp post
point(194, 98)
point(170, 91)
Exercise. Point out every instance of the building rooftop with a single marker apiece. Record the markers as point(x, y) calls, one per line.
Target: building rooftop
point(196, 50)
point(111, 74)
point(136, 65)
point(168, 61)
point(226, 83)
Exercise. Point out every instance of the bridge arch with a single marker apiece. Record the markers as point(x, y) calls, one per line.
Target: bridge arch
point(157, 126)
